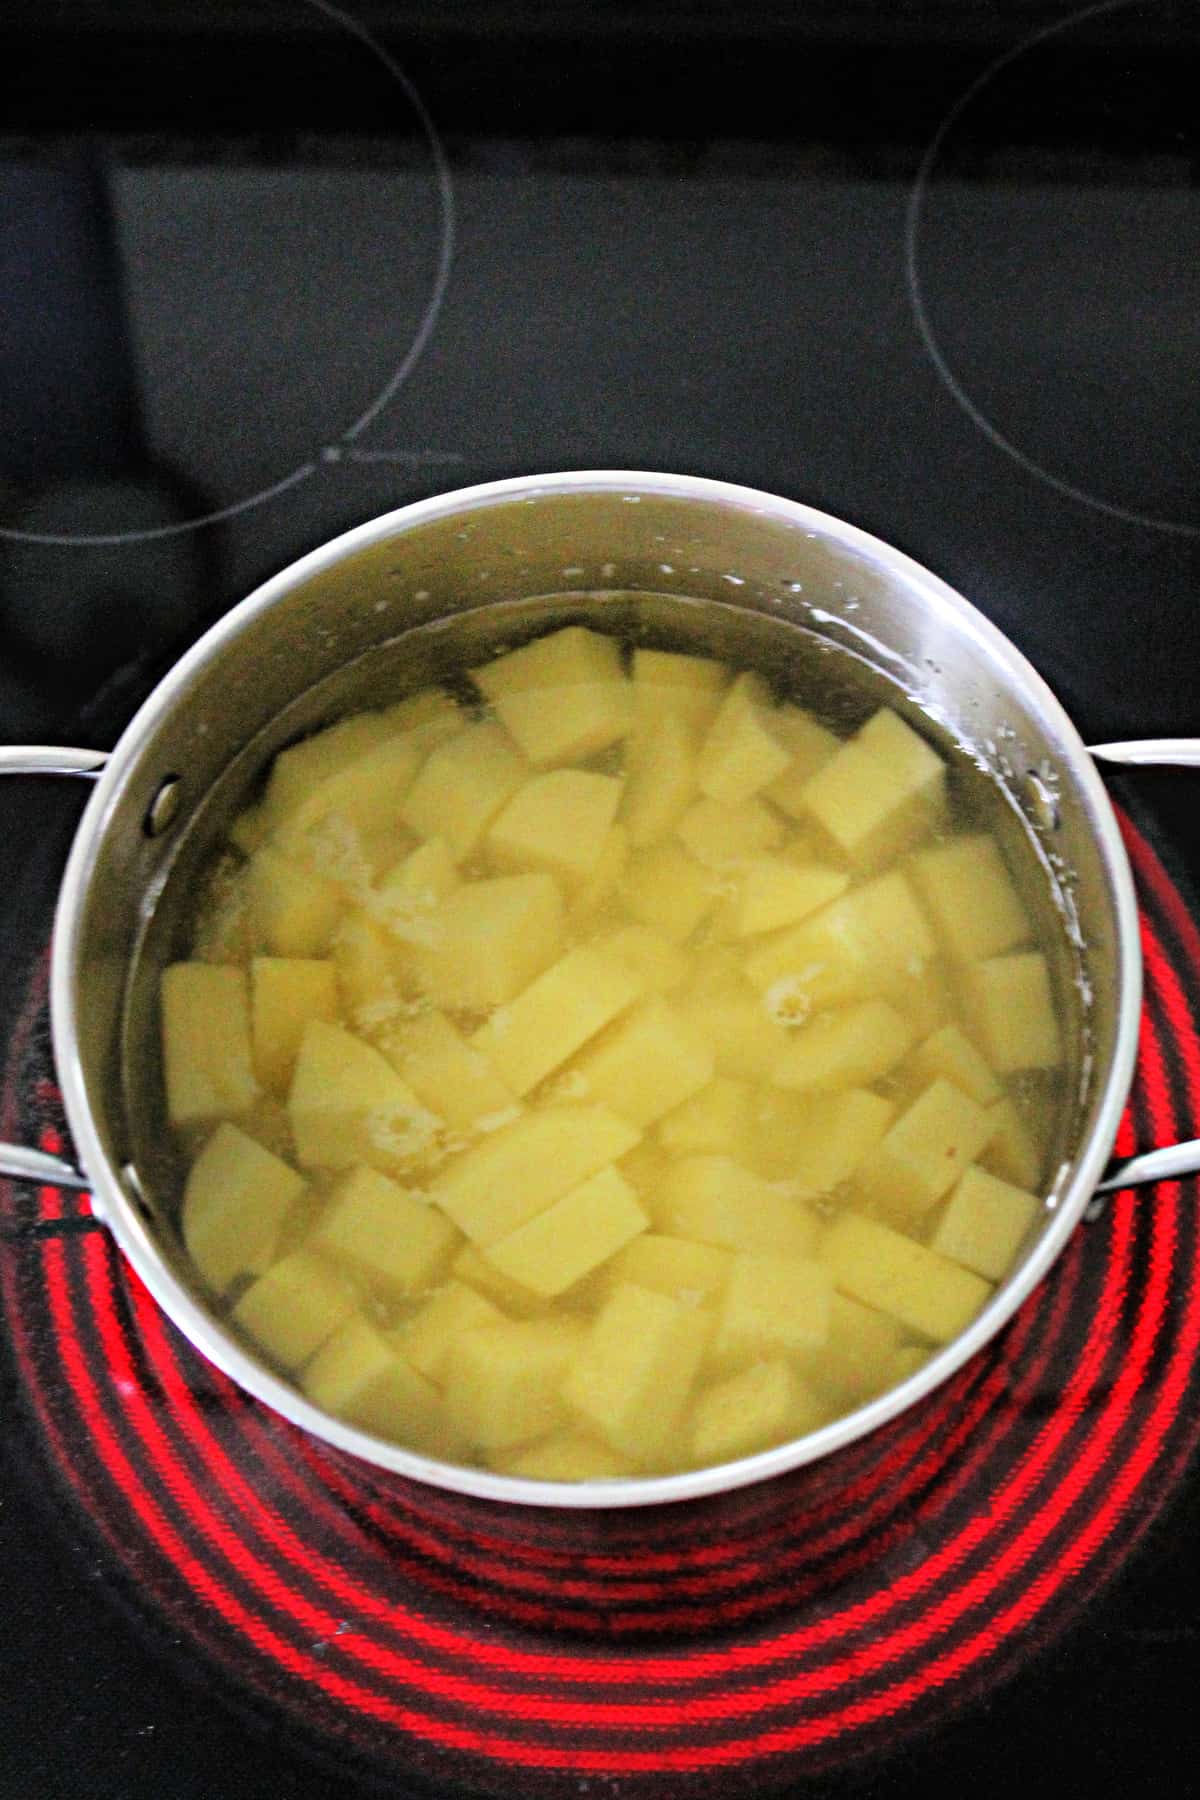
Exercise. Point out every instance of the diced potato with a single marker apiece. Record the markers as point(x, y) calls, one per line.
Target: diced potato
point(771, 1305)
point(407, 897)
point(855, 1360)
point(285, 993)
point(719, 836)
point(371, 967)
point(924, 998)
point(763, 1405)
point(296, 1306)
point(880, 793)
point(984, 1223)
point(716, 1119)
point(716, 1201)
point(491, 938)
point(463, 785)
point(632, 1377)
point(558, 1013)
point(645, 1064)
point(853, 949)
point(644, 1168)
point(969, 892)
point(358, 1376)
point(304, 766)
point(445, 1073)
point(268, 1124)
point(594, 895)
point(848, 1048)
point(565, 1456)
point(563, 697)
point(235, 1201)
point(667, 684)
point(659, 964)
point(426, 1339)
point(558, 1247)
point(745, 1040)
point(474, 1269)
point(525, 1167)
point(927, 1149)
point(741, 755)
point(381, 1233)
point(208, 1064)
point(364, 795)
point(686, 1270)
point(664, 888)
point(1012, 1150)
point(502, 1381)
point(250, 830)
point(427, 717)
point(1011, 1005)
point(949, 1052)
point(810, 747)
point(224, 930)
point(660, 778)
point(924, 1291)
point(905, 1362)
point(348, 1105)
point(773, 893)
point(557, 821)
point(293, 911)
point(816, 1143)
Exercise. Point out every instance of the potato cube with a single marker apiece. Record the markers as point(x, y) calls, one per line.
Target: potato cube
point(745, 1040)
point(681, 1267)
point(985, 1223)
point(658, 964)
point(761, 1406)
point(880, 793)
point(364, 796)
point(1012, 1150)
point(848, 1048)
point(285, 993)
point(740, 754)
point(449, 1077)
point(523, 1168)
point(949, 1052)
point(382, 1234)
point(660, 778)
point(299, 1303)
point(669, 685)
point(976, 910)
point(816, 1143)
point(358, 1376)
point(371, 968)
point(716, 1119)
point(563, 697)
point(719, 836)
point(854, 949)
point(593, 896)
point(463, 785)
point(905, 1361)
point(565, 1455)
point(293, 911)
point(924, 998)
point(855, 1360)
point(644, 1168)
point(716, 1201)
point(426, 1339)
point(810, 747)
point(770, 1305)
point(558, 1247)
point(235, 1201)
point(557, 821)
point(773, 893)
point(633, 1374)
point(473, 1269)
point(427, 717)
point(301, 768)
point(491, 938)
point(347, 1105)
point(208, 1064)
point(408, 895)
point(568, 1004)
point(1011, 1005)
point(662, 887)
point(647, 1063)
point(250, 830)
point(502, 1381)
point(925, 1152)
point(924, 1291)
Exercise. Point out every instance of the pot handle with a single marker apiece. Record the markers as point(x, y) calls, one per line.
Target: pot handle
point(43, 759)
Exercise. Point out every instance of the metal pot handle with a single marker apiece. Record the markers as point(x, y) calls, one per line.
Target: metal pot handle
point(41, 759)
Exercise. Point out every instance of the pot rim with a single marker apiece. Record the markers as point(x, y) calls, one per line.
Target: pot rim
point(119, 1211)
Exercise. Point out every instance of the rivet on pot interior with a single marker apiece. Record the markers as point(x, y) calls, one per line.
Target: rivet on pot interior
point(163, 809)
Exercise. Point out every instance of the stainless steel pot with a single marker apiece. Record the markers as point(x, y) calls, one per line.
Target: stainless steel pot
point(335, 631)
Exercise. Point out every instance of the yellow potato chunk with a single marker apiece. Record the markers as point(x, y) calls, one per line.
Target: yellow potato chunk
point(293, 911)
point(491, 938)
point(303, 767)
point(565, 1456)
point(445, 1073)
point(949, 1052)
point(592, 896)
point(969, 892)
point(1012, 1150)
point(558, 1247)
point(927, 1149)
point(427, 717)
point(285, 993)
point(855, 1360)
point(1011, 1005)
point(905, 1361)
point(558, 1013)
point(645, 1064)
point(773, 893)
point(426, 1339)
point(818, 1143)
point(364, 796)
point(718, 836)
point(521, 1169)
point(298, 1304)
point(984, 1224)
point(686, 1270)
point(880, 793)
point(668, 684)
point(371, 967)
point(665, 889)
point(474, 1270)
point(382, 1234)
point(716, 1119)
point(408, 895)
point(745, 1040)
point(850, 1047)
point(347, 1105)
point(924, 998)
point(771, 1305)
point(763, 1405)
point(658, 964)
point(716, 1201)
point(632, 1376)
point(358, 1376)
point(557, 821)
point(208, 1063)
point(502, 1381)
point(810, 747)
point(463, 785)
point(644, 1168)
point(563, 697)
point(853, 949)
point(660, 778)
point(235, 1201)
point(250, 830)
point(922, 1290)
point(741, 754)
